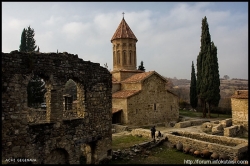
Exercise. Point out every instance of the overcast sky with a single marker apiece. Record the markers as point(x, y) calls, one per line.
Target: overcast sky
point(168, 33)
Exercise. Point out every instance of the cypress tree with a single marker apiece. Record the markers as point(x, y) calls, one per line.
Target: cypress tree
point(141, 67)
point(204, 49)
point(193, 92)
point(212, 95)
point(36, 87)
point(23, 46)
point(31, 42)
point(208, 79)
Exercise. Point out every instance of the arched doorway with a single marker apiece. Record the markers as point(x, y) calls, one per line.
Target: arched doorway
point(57, 156)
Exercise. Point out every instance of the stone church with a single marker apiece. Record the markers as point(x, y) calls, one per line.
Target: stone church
point(138, 97)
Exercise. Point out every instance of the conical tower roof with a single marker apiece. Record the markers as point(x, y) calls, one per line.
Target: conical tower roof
point(123, 31)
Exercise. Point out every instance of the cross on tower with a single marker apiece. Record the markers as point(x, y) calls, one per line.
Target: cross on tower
point(123, 14)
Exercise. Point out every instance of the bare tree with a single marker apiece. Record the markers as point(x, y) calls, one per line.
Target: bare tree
point(226, 77)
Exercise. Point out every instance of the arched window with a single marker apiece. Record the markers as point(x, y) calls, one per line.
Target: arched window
point(134, 57)
point(130, 57)
point(118, 57)
point(124, 58)
point(114, 58)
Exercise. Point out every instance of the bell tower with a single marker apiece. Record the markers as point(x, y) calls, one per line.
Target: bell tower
point(124, 48)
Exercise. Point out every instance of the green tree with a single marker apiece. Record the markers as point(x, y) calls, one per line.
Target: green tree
point(207, 71)
point(36, 87)
point(71, 89)
point(30, 41)
point(141, 67)
point(226, 77)
point(204, 48)
point(212, 94)
point(36, 91)
point(193, 92)
point(23, 46)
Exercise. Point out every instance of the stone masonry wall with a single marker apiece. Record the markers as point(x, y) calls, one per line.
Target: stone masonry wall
point(240, 112)
point(52, 137)
point(141, 109)
point(116, 87)
point(232, 131)
point(119, 128)
point(131, 86)
point(120, 103)
point(232, 147)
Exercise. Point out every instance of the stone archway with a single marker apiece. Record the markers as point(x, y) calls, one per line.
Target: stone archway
point(57, 156)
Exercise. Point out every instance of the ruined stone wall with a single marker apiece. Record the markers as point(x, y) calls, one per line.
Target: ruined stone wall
point(232, 131)
point(232, 147)
point(30, 135)
point(240, 112)
point(119, 128)
point(141, 132)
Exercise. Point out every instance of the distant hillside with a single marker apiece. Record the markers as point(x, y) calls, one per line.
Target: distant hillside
point(180, 82)
point(227, 87)
point(181, 87)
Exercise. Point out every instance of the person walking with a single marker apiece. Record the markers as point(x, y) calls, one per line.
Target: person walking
point(153, 130)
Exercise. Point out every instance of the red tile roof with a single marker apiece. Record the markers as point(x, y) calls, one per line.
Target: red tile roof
point(125, 93)
point(123, 31)
point(140, 77)
point(126, 70)
point(240, 94)
point(137, 77)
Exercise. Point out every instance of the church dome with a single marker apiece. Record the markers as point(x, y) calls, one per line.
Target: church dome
point(123, 31)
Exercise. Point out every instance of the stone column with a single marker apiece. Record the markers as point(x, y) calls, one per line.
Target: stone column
point(54, 100)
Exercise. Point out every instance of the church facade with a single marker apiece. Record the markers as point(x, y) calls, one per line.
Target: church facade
point(138, 97)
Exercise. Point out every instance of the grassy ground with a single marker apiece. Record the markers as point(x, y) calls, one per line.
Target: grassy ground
point(199, 114)
point(127, 141)
point(158, 155)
